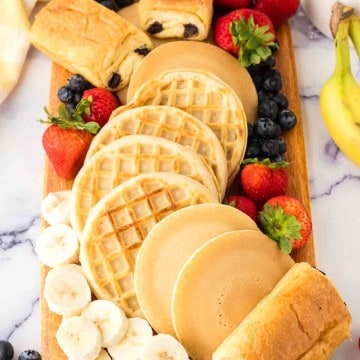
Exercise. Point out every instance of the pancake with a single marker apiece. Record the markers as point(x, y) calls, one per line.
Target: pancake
point(127, 157)
point(167, 247)
point(191, 55)
point(220, 284)
point(118, 224)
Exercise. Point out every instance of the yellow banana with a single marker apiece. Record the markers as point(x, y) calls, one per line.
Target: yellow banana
point(354, 32)
point(340, 96)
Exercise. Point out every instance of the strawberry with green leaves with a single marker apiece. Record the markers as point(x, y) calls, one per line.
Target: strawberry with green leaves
point(243, 204)
point(286, 220)
point(67, 139)
point(247, 34)
point(262, 179)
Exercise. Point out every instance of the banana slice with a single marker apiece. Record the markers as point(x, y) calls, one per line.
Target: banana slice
point(163, 346)
point(55, 207)
point(109, 318)
point(79, 338)
point(131, 347)
point(66, 291)
point(57, 245)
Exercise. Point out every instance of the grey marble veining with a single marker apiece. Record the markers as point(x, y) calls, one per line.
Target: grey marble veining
point(334, 186)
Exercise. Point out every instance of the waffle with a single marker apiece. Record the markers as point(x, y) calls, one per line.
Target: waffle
point(208, 98)
point(130, 156)
point(118, 224)
point(169, 123)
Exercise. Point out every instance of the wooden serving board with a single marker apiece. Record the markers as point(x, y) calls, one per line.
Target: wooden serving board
point(298, 177)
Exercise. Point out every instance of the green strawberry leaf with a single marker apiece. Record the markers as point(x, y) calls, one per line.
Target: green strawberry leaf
point(75, 120)
point(285, 245)
point(267, 162)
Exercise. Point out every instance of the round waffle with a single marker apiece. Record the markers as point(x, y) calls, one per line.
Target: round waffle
point(208, 98)
point(127, 157)
point(169, 123)
point(167, 247)
point(118, 224)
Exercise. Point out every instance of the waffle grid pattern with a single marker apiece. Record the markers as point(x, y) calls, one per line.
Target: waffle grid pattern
point(116, 233)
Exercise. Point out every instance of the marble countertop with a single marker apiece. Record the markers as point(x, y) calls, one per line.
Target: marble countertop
point(334, 187)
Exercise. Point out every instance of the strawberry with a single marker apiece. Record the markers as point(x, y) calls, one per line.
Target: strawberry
point(285, 220)
point(67, 140)
point(262, 180)
point(243, 204)
point(277, 10)
point(233, 4)
point(245, 33)
point(103, 104)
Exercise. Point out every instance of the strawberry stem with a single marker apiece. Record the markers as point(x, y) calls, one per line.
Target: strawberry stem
point(75, 120)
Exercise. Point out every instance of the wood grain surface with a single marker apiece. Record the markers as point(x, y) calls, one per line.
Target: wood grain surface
point(298, 183)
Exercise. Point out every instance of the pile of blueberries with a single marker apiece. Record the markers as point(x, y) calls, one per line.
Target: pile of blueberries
point(115, 5)
point(7, 352)
point(273, 118)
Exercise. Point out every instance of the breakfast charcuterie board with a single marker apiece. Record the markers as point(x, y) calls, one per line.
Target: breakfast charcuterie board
point(298, 177)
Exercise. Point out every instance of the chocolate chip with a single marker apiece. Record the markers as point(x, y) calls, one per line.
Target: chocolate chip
point(155, 28)
point(190, 30)
point(114, 80)
point(143, 50)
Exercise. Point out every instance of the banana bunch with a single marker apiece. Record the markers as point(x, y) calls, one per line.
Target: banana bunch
point(340, 95)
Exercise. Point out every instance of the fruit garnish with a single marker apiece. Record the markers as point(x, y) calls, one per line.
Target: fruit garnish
point(277, 10)
point(285, 220)
point(243, 204)
point(247, 34)
point(233, 4)
point(75, 120)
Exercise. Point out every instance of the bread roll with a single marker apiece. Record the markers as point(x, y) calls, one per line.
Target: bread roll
point(87, 38)
point(303, 318)
point(188, 19)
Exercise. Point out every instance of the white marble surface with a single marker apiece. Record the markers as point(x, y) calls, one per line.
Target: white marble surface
point(334, 185)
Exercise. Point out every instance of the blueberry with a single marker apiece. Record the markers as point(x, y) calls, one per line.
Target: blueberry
point(269, 148)
point(6, 350)
point(271, 73)
point(262, 96)
point(65, 94)
point(281, 100)
point(272, 84)
point(286, 119)
point(282, 145)
point(278, 158)
point(269, 62)
point(275, 48)
point(254, 69)
point(78, 83)
point(268, 109)
point(252, 150)
point(267, 128)
point(258, 81)
point(29, 355)
point(77, 98)
point(250, 131)
point(70, 107)
point(123, 3)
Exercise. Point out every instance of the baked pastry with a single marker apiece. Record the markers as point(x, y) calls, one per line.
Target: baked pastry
point(220, 283)
point(303, 318)
point(188, 19)
point(87, 38)
point(168, 246)
point(118, 224)
point(169, 123)
point(127, 157)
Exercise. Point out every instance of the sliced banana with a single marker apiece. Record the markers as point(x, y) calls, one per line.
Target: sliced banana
point(131, 346)
point(109, 318)
point(163, 346)
point(57, 245)
point(79, 338)
point(55, 207)
point(66, 291)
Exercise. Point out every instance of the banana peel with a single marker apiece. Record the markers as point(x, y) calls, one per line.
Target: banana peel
point(340, 95)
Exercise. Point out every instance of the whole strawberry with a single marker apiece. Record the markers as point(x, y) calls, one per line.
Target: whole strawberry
point(103, 103)
point(262, 180)
point(247, 34)
point(67, 140)
point(243, 204)
point(285, 220)
point(233, 4)
point(277, 10)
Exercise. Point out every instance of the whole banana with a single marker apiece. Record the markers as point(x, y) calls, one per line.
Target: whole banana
point(340, 95)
